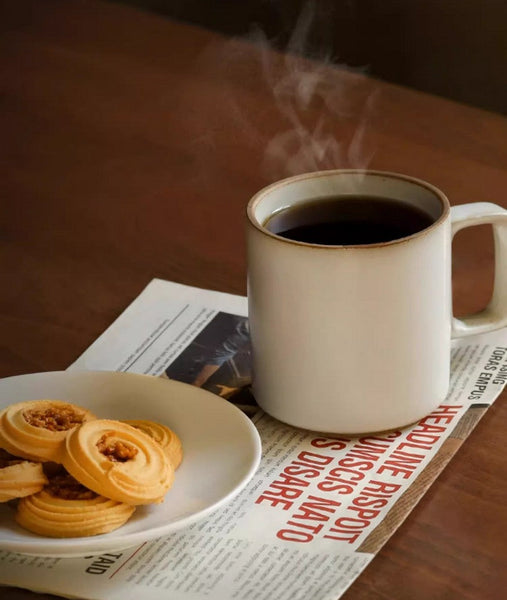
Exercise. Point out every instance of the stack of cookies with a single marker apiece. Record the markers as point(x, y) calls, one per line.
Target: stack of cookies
point(73, 474)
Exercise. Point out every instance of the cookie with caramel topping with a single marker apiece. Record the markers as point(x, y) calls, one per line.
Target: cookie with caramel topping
point(36, 429)
point(65, 508)
point(118, 461)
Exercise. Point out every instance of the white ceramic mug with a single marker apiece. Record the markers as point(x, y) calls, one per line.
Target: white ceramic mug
point(352, 339)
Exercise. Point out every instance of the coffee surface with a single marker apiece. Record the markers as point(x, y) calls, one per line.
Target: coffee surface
point(348, 221)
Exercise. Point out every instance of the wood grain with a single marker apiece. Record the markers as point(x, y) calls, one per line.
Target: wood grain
point(131, 145)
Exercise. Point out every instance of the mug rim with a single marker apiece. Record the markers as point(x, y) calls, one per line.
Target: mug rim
point(258, 196)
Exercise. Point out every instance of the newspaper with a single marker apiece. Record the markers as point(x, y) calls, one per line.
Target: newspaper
point(319, 507)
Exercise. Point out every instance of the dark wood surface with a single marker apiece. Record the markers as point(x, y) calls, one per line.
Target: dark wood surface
point(131, 145)
point(429, 45)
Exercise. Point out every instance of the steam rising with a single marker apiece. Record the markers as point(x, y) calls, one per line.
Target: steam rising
point(323, 110)
point(336, 138)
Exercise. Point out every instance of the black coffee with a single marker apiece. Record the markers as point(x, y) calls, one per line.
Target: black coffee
point(348, 221)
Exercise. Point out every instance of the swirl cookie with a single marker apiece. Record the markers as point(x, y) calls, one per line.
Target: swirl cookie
point(118, 461)
point(170, 442)
point(36, 429)
point(65, 508)
point(19, 477)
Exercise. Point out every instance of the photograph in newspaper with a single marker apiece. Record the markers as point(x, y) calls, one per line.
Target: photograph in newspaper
point(218, 360)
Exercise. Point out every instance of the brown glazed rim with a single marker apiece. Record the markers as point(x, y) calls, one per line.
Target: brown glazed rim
point(254, 201)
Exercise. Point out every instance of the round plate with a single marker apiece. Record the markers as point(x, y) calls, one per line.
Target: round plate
point(221, 452)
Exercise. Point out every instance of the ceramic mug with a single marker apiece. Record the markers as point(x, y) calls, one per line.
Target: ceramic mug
point(353, 339)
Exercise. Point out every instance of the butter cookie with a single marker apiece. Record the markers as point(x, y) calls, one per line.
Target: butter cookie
point(19, 477)
point(118, 461)
point(36, 429)
point(163, 435)
point(65, 508)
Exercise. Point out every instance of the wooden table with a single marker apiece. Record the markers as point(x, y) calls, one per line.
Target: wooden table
point(131, 146)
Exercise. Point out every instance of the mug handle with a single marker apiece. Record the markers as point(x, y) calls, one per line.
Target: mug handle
point(494, 316)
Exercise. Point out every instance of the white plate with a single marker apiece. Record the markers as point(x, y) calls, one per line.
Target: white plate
point(221, 452)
